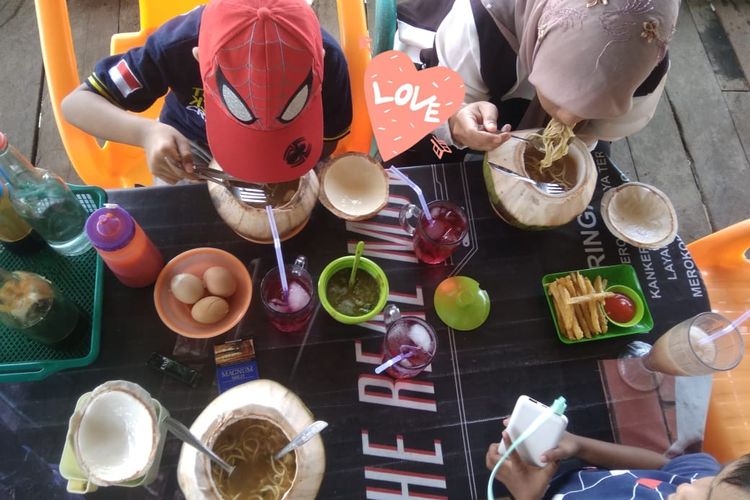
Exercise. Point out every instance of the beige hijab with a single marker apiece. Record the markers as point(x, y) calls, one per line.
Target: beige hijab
point(587, 56)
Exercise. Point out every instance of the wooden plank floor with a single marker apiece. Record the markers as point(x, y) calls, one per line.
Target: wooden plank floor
point(695, 149)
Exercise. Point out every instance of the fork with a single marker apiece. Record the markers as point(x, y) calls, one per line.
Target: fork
point(535, 142)
point(545, 187)
point(247, 192)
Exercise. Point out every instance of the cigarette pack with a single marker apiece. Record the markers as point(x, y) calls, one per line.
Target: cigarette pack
point(235, 363)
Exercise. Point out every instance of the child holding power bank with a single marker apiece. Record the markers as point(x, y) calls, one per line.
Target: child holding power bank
point(620, 472)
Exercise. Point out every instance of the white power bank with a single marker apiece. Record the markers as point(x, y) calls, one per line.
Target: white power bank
point(544, 438)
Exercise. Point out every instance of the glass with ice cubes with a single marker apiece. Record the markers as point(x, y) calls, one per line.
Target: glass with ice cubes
point(436, 238)
point(411, 339)
point(293, 312)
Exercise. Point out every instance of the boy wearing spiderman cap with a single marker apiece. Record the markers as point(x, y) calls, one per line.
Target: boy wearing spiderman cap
point(258, 82)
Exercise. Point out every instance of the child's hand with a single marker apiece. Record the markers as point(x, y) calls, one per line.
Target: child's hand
point(525, 482)
point(167, 152)
point(567, 447)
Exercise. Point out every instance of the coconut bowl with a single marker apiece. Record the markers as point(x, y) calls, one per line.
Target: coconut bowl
point(75, 463)
point(251, 222)
point(353, 186)
point(524, 205)
point(259, 399)
point(640, 214)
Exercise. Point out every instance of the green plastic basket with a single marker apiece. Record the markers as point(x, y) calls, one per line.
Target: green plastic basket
point(80, 278)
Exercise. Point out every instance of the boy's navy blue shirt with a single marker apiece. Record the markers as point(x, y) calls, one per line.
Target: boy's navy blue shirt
point(136, 79)
point(597, 484)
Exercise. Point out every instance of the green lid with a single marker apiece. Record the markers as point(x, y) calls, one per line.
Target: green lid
point(461, 304)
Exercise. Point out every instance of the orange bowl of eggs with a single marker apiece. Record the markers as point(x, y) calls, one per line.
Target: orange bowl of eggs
point(203, 292)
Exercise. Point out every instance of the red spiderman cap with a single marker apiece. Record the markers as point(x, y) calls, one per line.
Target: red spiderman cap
point(261, 63)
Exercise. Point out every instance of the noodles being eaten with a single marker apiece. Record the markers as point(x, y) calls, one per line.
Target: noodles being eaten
point(555, 138)
point(249, 445)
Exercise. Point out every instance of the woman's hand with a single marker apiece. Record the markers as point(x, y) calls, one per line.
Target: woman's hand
point(525, 482)
point(167, 152)
point(475, 126)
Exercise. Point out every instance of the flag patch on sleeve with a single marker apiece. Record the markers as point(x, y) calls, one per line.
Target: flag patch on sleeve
point(124, 78)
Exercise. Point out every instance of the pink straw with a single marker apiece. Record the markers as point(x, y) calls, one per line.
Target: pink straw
point(416, 189)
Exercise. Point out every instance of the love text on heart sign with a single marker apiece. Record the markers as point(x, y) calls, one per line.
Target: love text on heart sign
point(404, 104)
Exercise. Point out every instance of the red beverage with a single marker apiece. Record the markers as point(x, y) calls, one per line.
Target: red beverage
point(436, 240)
point(409, 335)
point(290, 314)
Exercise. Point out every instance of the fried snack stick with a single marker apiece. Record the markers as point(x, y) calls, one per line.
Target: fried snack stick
point(571, 287)
point(599, 285)
point(590, 308)
point(565, 311)
point(580, 329)
point(569, 311)
point(591, 297)
point(555, 293)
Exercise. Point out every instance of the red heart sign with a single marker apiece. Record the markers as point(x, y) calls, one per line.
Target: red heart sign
point(405, 104)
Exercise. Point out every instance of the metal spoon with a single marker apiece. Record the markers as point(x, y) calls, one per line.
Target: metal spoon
point(183, 434)
point(306, 435)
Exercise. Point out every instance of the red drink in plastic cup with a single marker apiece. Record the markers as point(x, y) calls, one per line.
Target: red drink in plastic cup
point(293, 313)
point(436, 240)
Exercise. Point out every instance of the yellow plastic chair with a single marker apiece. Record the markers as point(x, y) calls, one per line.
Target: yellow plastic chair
point(726, 271)
point(112, 165)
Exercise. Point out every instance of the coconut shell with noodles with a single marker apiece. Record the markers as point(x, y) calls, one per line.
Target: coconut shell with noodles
point(251, 222)
point(524, 205)
point(259, 399)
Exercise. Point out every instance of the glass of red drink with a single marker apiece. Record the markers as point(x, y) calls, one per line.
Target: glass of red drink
point(436, 240)
point(410, 336)
point(290, 314)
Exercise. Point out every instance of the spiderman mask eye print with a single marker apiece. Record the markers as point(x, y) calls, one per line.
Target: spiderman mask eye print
point(264, 117)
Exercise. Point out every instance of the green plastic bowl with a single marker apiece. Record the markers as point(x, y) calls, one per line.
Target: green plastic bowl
point(347, 262)
point(637, 302)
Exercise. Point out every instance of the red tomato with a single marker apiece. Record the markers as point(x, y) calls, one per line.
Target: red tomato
point(619, 308)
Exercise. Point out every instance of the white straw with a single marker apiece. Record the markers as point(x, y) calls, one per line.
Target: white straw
point(416, 189)
point(279, 257)
point(727, 329)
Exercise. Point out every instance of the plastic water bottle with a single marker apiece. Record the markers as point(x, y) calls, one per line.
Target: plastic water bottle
point(124, 247)
point(44, 201)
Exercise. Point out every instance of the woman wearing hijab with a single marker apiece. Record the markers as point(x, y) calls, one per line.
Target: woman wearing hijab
point(598, 65)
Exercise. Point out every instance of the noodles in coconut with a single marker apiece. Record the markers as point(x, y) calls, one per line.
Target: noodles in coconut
point(555, 138)
point(249, 445)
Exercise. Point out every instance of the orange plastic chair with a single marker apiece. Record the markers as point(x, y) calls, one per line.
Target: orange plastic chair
point(726, 271)
point(355, 42)
point(112, 165)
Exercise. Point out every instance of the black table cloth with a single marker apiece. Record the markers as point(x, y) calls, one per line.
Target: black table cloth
point(424, 436)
